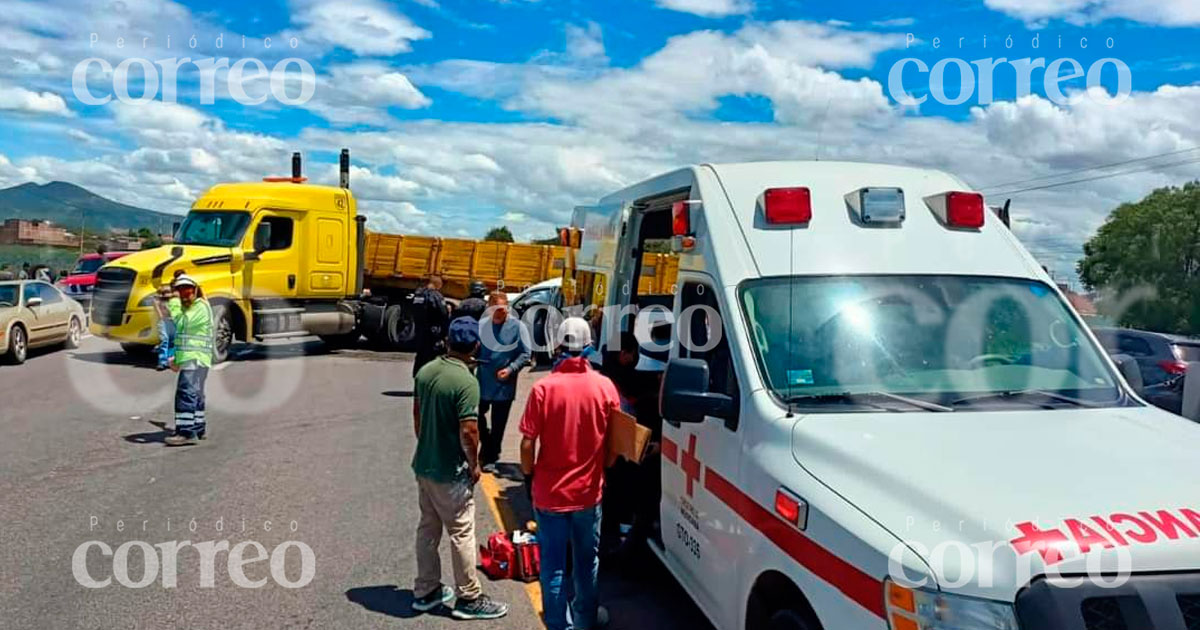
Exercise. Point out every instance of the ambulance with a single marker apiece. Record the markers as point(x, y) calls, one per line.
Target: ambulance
point(881, 413)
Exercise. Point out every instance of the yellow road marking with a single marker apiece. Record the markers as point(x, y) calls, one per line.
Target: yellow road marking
point(504, 516)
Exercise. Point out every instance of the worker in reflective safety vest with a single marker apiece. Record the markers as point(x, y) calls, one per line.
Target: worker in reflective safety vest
point(193, 357)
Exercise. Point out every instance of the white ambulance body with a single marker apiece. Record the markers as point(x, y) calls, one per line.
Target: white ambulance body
point(895, 387)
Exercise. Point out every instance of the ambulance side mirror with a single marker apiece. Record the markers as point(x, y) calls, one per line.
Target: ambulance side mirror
point(1130, 370)
point(685, 396)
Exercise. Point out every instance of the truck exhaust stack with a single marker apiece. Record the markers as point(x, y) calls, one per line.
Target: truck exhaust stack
point(297, 171)
point(344, 169)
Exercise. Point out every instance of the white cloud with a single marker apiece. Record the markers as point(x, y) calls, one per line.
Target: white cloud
point(709, 8)
point(364, 27)
point(1164, 12)
point(360, 92)
point(19, 99)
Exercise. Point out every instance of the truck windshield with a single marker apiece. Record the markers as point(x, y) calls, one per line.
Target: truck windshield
point(218, 229)
point(88, 265)
point(950, 340)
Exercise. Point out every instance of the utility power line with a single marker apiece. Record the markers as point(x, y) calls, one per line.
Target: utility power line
point(1097, 177)
point(1089, 168)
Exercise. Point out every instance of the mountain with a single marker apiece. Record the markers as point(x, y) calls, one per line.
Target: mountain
point(64, 204)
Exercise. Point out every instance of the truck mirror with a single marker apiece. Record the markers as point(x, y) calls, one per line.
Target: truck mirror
point(1130, 370)
point(262, 238)
point(686, 397)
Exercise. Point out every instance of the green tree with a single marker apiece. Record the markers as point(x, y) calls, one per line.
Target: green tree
point(1156, 243)
point(144, 233)
point(501, 234)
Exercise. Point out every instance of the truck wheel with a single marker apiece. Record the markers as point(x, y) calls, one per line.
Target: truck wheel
point(788, 620)
point(400, 328)
point(18, 346)
point(74, 334)
point(222, 332)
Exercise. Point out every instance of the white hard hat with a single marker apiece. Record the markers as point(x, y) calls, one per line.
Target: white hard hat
point(184, 280)
point(574, 333)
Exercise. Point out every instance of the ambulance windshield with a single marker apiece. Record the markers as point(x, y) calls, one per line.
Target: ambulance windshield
point(943, 339)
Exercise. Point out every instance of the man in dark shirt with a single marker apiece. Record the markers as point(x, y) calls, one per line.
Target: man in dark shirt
point(431, 319)
point(474, 305)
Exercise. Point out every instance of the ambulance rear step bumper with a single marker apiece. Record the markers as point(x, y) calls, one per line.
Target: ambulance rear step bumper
point(1165, 601)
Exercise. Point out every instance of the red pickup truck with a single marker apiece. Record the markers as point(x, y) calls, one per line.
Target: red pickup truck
point(80, 283)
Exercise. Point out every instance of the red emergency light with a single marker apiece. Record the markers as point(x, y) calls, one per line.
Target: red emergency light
point(787, 206)
point(791, 508)
point(681, 219)
point(958, 209)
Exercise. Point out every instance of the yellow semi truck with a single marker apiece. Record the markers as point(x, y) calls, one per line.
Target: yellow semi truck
point(282, 258)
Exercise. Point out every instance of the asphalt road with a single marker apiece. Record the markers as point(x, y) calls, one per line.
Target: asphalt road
point(306, 449)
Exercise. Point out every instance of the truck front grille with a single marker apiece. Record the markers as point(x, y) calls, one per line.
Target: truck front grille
point(1167, 601)
point(111, 296)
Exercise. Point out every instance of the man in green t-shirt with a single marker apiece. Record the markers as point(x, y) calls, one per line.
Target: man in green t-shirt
point(445, 421)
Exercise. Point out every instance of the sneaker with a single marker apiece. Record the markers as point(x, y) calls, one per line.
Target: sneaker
point(482, 607)
point(178, 439)
point(439, 597)
point(490, 468)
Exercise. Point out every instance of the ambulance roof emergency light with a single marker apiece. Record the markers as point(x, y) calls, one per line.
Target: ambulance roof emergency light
point(682, 231)
point(787, 206)
point(958, 209)
point(877, 206)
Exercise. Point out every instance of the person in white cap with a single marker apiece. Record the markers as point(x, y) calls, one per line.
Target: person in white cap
point(562, 456)
point(193, 358)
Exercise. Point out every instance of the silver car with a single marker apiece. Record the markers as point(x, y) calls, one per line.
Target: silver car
point(35, 314)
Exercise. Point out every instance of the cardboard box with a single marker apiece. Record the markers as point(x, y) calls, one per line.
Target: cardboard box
point(625, 438)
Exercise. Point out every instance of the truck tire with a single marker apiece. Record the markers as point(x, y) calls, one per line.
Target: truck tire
point(222, 332)
point(399, 327)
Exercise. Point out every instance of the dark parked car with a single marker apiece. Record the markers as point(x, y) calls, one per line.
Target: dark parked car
point(1162, 358)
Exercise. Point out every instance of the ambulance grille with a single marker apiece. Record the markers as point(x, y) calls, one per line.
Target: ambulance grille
point(1151, 601)
point(111, 297)
point(1190, 606)
point(1103, 613)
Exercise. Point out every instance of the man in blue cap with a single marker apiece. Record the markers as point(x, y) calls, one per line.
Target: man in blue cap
point(446, 424)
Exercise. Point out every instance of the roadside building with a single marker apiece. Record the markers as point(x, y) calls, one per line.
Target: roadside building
point(35, 232)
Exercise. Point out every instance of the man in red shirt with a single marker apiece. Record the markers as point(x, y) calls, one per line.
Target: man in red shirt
point(565, 420)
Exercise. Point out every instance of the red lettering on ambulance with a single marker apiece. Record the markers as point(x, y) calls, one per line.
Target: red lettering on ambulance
point(1146, 536)
point(1168, 524)
point(1193, 516)
point(1111, 531)
point(1086, 537)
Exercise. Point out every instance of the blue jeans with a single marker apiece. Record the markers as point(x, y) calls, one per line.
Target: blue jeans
point(580, 532)
point(166, 340)
point(190, 405)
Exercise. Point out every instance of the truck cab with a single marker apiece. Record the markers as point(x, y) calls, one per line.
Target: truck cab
point(880, 412)
point(273, 258)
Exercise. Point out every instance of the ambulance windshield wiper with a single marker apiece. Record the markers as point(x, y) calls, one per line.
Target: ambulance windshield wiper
point(1016, 394)
point(870, 398)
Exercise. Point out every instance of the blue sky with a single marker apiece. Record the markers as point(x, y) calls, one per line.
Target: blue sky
point(466, 114)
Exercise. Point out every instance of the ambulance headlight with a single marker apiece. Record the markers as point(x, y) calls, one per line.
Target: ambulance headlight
point(923, 609)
